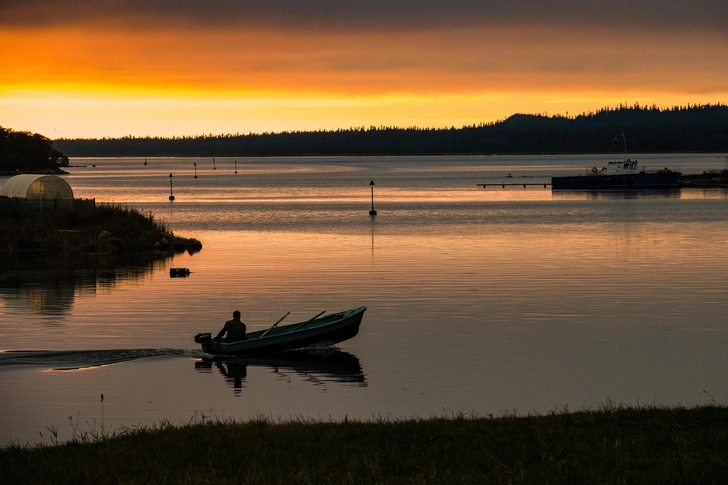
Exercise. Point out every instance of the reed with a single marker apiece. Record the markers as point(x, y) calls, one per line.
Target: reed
point(612, 445)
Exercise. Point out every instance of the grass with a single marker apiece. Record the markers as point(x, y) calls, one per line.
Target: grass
point(59, 232)
point(612, 445)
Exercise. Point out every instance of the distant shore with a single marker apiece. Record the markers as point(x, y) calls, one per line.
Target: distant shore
point(48, 171)
point(647, 130)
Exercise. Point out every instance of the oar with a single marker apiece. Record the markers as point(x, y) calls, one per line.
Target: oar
point(274, 325)
point(306, 323)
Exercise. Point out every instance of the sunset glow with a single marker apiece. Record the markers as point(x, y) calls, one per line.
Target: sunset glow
point(186, 73)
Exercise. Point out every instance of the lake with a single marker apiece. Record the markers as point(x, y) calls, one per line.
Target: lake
point(479, 301)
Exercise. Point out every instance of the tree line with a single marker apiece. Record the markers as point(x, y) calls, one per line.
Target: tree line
point(697, 128)
point(25, 151)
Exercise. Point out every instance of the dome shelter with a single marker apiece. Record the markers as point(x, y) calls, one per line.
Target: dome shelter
point(35, 191)
point(30, 186)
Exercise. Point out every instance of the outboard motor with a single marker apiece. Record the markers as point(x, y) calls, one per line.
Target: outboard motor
point(203, 337)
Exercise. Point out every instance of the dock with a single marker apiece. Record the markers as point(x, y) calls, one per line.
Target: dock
point(503, 186)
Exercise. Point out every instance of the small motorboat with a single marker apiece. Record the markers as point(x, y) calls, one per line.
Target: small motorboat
point(331, 329)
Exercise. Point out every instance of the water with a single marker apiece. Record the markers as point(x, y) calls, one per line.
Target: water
point(479, 301)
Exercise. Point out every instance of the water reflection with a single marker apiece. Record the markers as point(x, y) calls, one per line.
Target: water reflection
point(49, 285)
point(316, 366)
point(682, 194)
point(616, 194)
point(705, 193)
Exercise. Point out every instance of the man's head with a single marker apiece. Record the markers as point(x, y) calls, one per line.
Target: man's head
point(236, 315)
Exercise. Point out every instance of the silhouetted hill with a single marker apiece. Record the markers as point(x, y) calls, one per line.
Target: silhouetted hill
point(696, 128)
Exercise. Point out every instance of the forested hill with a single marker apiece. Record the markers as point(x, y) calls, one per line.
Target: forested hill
point(648, 129)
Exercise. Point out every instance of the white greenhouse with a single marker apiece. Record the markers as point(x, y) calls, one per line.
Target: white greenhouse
point(30, 186)
point(43, 191)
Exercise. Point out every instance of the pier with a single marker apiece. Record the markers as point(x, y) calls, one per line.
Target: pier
point(503, 186)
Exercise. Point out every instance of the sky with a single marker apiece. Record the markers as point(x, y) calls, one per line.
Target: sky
point(112, 68)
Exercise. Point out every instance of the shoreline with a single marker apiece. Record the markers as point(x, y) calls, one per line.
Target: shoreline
point(47, 171)
point(615, 444)
point(105, 228)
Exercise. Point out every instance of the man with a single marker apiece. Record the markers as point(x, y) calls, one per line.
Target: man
point(234, 328)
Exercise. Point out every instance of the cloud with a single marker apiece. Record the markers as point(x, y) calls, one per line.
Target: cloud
point(430, 63)
point(355, 63)
point(373, 14)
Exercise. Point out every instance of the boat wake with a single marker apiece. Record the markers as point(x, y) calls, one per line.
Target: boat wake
point(81, 359)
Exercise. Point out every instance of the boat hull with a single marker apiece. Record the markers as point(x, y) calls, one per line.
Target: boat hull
point(642, 180)
point(331, 329)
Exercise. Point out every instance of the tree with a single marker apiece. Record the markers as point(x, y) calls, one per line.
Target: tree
point(24, 151)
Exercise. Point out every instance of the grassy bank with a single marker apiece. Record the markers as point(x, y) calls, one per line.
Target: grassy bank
point(107, 228)
point(614, 445)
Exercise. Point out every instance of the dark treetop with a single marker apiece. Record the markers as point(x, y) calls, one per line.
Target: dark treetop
point(22, 151)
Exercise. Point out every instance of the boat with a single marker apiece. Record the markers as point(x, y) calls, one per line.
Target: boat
point(625, 174)
point(331, 329)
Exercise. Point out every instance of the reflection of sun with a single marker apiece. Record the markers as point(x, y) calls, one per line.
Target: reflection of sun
point(80, 369)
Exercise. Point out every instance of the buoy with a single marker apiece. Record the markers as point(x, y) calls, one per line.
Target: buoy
point(372, 212)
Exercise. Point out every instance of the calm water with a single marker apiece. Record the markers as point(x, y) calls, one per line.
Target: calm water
point(479, 301)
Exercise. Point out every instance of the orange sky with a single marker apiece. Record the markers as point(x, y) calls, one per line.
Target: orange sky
point(186, 72)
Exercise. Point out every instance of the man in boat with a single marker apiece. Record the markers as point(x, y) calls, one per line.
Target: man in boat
point(234, 328)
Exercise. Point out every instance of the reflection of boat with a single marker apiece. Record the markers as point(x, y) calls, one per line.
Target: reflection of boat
point(333, 328)
point(625, 174)
point(318, 365)
point(617, 194)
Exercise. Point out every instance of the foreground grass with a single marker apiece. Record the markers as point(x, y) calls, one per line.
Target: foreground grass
point(107, 228)
point(615, 445)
